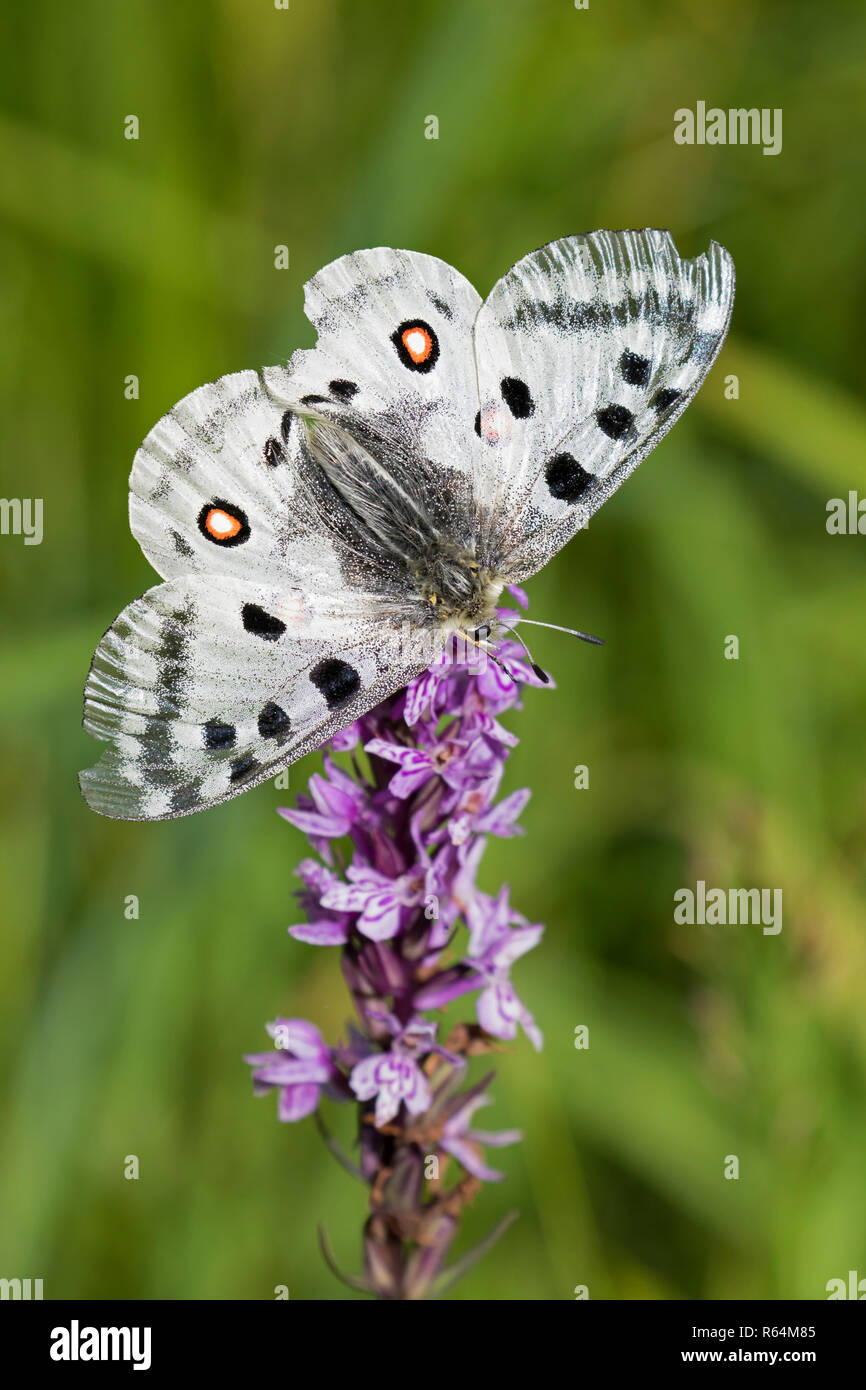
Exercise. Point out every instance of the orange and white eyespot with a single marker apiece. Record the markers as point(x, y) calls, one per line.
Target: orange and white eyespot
point(223, 523)
point(417, 345)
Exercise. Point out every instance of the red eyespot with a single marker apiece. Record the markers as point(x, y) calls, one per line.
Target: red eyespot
point(223, 523)
point(417, 342)
point(417, 345)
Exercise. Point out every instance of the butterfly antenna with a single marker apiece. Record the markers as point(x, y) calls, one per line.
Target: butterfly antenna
point(572, 632)
point(542, 675)
point(484, 646)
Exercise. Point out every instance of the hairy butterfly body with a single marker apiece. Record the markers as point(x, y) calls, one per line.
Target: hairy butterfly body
point(323, 528)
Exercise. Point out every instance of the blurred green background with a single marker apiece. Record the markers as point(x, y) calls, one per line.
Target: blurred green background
point(156, 258)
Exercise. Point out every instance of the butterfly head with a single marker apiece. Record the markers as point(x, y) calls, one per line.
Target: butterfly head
point(461, 594)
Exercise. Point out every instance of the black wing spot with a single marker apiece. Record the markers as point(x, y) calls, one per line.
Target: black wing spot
point(243, 768)
point(314, 400)
point(157, 756)
point(517, 397)
point(417, 345)
point(567, 479)
point(273, 721)
point(635, 370)
point(260, 623)
point(181, 799)
point(274, 453)
point(286, 424)
point(219, 735)
point(173, 653)
point(478, 423)
point(181, 546)
point(614, 420)
point(343, 390)
point(336, 680)
point(440, 304)
point(664, 399)
point(223, 523)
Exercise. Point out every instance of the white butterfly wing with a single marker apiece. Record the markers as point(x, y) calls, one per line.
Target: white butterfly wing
point(282, 620)
point(208, 685)
point(291, 551)
point(588, 350)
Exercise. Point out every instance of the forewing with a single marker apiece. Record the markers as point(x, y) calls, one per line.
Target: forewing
point(226, 484)
point(394, 366)
point(588, 350)
point(207, 686)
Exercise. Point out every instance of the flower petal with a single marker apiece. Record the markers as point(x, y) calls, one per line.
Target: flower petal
point(296, 1102)
point(321, 933)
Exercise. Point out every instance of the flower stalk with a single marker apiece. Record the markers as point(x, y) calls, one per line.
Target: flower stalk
point(415, 933)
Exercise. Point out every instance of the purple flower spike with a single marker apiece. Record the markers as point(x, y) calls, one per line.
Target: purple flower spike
point(401, 829)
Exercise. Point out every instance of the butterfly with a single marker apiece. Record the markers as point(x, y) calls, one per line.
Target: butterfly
point(322, 529)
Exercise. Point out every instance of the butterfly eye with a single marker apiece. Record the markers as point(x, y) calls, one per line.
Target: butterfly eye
point(223, 523)
point(417, 345)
